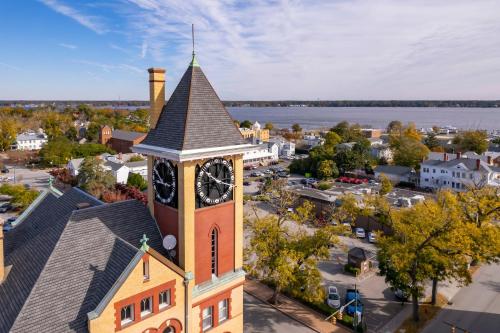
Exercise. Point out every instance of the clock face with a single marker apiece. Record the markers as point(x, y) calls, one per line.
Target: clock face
point(164, 181)
point(215, 181)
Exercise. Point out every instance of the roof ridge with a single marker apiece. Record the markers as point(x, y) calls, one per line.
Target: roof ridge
point(186, 121)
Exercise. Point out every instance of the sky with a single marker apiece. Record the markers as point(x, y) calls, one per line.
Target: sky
point(252, 49)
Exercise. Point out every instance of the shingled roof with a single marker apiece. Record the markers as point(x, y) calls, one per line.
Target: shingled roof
point(64, 261)
point(94, 249)
point(28, 247)
point(194, 117)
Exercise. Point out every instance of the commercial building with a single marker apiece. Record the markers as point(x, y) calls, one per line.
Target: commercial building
point(256, 134)
point(75, 264)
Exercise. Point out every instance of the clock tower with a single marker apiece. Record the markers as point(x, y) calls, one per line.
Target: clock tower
point(195, 192)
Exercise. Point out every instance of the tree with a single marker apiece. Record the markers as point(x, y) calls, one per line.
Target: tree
point(431, 141)
point(395, 126)
point(55, 124)
point(327, 169)
point(8, 132)
point(296, 128)
point(56, 152)
point(472, 141)
point(385, 185)
point(409, 152)
point(287, 257)
point(429, 242)
point(136, 158)
point(93, 178)
point(269, 126)
point(332, 139)
point(246, 124)
point(92, 133)
point(136, 180)
point(347, 132)
point(71, 133)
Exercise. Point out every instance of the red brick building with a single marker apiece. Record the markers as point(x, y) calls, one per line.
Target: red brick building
point(118, 140)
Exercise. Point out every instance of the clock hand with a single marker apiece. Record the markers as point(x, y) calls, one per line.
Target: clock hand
point(218, 181)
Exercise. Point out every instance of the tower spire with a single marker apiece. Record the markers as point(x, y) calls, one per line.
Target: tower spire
point(194, 62)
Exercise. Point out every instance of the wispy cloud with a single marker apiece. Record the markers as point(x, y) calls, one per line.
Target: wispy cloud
point(108, 68)
point(15, 68)
point(144, 49)
point(68, 46)
point(92, 22)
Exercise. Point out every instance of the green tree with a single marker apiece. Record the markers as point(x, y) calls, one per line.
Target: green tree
point(431, 141)
point(269, 126)
point(385, 185)
point(55, 124)
point(332, 139)
point(327, 169)
point(246, 124)
point(296, 128)
point(71, 133)
point(409, 152)
point(472, 141)
point(93, 178)
point(21, 197)
point(8, 132)
point(56, 152)
point(394, 126)
point(136, 158)
point(136, 180)
point(92, 133)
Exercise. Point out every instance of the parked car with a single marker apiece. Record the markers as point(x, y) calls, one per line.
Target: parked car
point(5, 207)
point(283, 174)
point(357, 305)
point(268, 172)
point(11, 219)
point(6, 226)
point(5, 170)
point(333, 298)
point(401, 295)
point(372, 238)
point(360, 232)
point(257, 174)
point(246, 183)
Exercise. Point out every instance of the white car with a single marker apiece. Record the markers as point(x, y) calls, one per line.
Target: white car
point(333, 298)
point(372, 238)
point(360, 233)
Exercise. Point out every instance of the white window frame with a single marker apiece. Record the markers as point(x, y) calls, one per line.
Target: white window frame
point(223, 310)
point(145, 312)
point(127, 320)
point(207, 318)
point(164, 301)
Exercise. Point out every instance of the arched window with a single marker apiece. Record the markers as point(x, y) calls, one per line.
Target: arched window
point(214, 250)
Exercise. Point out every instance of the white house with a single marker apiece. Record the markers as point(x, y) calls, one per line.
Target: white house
point(285, 148)
point(379, 151)
point(139, 167)
point(458, 174)
point(312, 140)
point(261, 154)
point(31, 140)
point(119, 171)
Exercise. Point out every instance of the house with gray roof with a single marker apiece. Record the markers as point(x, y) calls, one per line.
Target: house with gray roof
point(31, 140)
point(396, 173)
point(459, 173)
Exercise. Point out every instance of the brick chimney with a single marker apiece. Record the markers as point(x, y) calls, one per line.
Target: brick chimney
point(459, 154)
point(2, 264)
point(478, 163)
point(490, 160)
point(445, 157)
point(156, 93)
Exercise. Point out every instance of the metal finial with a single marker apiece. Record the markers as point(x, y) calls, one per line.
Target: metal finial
point(144, 243)
point(192, 35)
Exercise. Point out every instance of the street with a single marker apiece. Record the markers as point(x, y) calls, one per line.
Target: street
point(475, 308)
point(260, 317)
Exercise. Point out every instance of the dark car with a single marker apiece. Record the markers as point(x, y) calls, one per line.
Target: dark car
point(7, 226)
point(357, 305)
point(5, 170)
point(246, 183)
point(5, 208)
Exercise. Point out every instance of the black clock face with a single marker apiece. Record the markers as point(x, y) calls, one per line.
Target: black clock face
point(215, 182)
point(164, 181)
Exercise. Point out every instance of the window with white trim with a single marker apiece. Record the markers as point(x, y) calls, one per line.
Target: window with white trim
point(223, 310)
point(127, 314)
point(164, 299)
point(146, 306)
point(208, 320)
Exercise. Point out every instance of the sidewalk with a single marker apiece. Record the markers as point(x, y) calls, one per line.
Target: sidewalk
point(294, 309)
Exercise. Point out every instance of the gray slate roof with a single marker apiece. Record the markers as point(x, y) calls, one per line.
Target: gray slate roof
point(469, 163)
point(65, 261)
point(194, 117)
point(29, 245)
point(126, 135)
